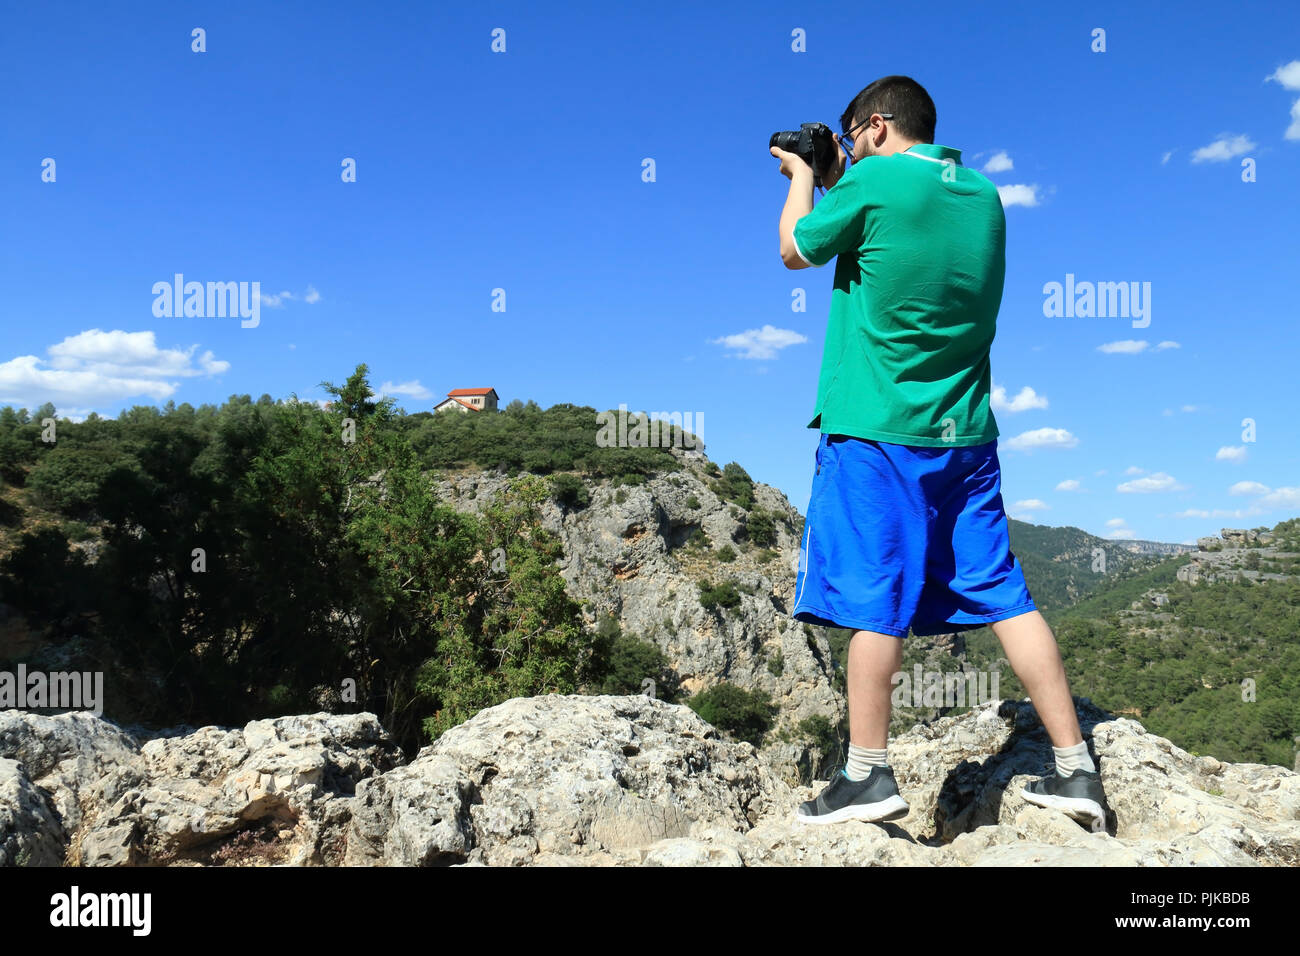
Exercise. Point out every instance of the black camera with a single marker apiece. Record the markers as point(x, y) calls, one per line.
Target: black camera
point(814, 143)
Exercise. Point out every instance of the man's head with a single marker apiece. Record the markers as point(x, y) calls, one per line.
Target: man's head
point(866, 120)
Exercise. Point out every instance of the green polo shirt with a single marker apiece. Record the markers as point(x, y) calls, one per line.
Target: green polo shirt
point(921, 243)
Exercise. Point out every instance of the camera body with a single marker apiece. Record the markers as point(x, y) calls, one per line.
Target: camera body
point(814, 143)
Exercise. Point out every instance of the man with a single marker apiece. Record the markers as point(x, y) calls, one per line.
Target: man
point(905, 526)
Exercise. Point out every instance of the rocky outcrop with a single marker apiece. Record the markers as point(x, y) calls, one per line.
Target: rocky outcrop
point(1237, 555)
point(534, 779)
point(31, 832)
point(1236, 538)
point(608, 781)
point(274, 788)
point(629, 554)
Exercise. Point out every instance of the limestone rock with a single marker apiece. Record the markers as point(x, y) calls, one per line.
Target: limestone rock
point(562, 774)
point(184, 797)
point(629, 558)
point(564, 780)
point(31, 833)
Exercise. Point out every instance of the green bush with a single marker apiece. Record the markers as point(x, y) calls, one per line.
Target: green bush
point(821, 733)
point(15, 455)
point(563, 437)
point(570, 491)
point(69, 478)
point(776, 664)
point(723, 595)
point(735, 485)
point(622, 662)
point(761, 528)
point(726, 554)
point(745, 715)
point(77, 531)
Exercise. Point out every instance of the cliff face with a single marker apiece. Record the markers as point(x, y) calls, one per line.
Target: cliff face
point(629, 554)
point(606, 781)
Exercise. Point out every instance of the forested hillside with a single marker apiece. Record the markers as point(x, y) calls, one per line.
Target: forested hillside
point(222, 564)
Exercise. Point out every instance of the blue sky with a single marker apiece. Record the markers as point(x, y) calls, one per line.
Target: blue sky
point(522, 171)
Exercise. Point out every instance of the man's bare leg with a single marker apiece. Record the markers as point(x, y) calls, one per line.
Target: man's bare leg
point(874, 658)
point(1031, 650)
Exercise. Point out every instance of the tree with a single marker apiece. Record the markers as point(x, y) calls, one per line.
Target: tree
point(353, 399)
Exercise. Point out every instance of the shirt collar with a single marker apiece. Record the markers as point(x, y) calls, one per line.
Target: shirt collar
point(935, 151)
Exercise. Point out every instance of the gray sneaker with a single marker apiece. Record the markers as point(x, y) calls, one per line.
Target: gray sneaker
point(1079, 795)
point(871, 800)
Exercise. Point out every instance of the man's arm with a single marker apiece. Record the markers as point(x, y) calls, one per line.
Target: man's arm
point(798, 203)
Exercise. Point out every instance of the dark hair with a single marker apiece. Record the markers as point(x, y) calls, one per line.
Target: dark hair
point(901, 95)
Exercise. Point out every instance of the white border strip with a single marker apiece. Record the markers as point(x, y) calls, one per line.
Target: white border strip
point(931, 159)
point(799, 252)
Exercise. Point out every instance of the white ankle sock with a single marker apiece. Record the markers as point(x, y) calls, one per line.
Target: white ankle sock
point(862, 759)
point(1069, 759)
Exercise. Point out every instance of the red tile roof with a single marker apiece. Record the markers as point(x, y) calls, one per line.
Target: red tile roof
point(469, 391)
point(472, 408)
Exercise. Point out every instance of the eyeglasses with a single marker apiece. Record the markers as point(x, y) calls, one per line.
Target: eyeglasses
point(846, 139)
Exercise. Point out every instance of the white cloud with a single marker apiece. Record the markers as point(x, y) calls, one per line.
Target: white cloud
point(96, 367)
point(1271, 498)
point(276, 301)
point(998, 163)
point(1158, 481)
point(1282, 498)
point(1165, 158)
point(1124, 346)
point(1026, 398)
point(1293, 131)
point(1134, 470)
point(1019, 195)
point(1248, 488)
point(1224, 148)
point(1236, 512)
point(411, 389)
point(1192, 513)
point(1100, 473)
point(1070, 484)
point(1042, 438)
point(1288, 75)
point(1122, 534)
point(760, 343)
point(1116, 523)
point(1031, 504)
point(1189, 408)
point(1231, 453)
point(1167, 344)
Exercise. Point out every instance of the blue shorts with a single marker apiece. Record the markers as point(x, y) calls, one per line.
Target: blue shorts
point(904, 536)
